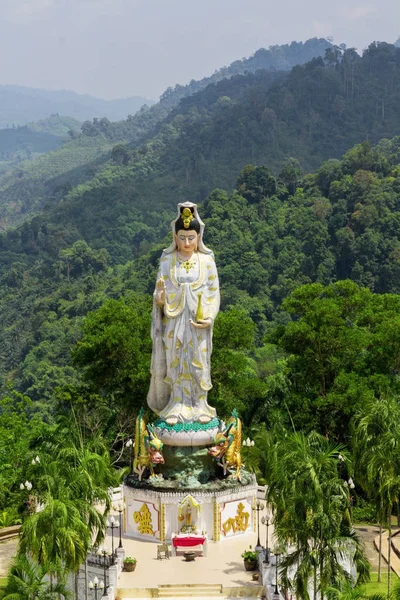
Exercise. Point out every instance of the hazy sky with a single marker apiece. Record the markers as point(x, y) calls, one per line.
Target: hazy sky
point(118, 48)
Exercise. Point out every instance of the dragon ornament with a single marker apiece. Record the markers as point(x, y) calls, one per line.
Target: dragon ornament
point(148, 448)
point(228, 445)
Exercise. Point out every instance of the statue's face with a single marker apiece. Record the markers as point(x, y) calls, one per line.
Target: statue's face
point(187, 240)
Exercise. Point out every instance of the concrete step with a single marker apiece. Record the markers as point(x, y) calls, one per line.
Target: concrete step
point(190, 590)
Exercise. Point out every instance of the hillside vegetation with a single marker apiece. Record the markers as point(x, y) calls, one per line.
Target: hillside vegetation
point(270, 236)
point(27, 142)
point(279, 229)
point(22, 196)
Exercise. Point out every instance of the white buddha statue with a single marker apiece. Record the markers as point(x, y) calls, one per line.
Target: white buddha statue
point(186, 302)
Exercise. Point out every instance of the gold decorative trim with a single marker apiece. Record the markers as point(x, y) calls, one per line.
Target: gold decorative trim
point(217, 521)
point(162, 522)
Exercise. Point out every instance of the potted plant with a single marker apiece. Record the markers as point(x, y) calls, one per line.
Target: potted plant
point(250, 559)
point(129, 564)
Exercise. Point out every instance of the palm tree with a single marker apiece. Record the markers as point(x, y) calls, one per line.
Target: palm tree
point(72, 483)
point(377, 453)
point(347, 591)
point(56, 535)
point(27, 580)
point(311, 506)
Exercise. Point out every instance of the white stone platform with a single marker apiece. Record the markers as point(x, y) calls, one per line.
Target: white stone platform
point(154, 515)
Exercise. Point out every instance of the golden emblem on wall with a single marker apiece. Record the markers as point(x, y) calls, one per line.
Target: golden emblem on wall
point(143, 518)
point(238, 523)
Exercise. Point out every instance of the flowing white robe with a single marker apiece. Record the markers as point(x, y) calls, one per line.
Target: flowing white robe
point(180, 366)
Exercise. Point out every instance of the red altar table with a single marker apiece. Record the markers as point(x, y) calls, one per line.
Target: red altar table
point(188, 541)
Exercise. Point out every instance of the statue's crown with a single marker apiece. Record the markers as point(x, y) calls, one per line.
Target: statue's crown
point(187, 217)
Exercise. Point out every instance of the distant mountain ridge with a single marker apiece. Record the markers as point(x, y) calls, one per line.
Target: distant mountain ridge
point(274, 58)
point(20, 105)
point(25, 190)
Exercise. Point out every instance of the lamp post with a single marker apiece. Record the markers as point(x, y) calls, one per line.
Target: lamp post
point(120, 508)
point(259, 506)
point(276, 592)
point(95, 585)
point(104, 553)
point(265, 521)
point(130, 444)
point(351, 485)
point(112, 524)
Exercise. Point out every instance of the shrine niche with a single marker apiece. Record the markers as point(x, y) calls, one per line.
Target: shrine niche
point(188, 514)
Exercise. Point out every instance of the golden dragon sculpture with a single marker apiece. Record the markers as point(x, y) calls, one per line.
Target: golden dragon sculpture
point(228, 445)
point(148, 448)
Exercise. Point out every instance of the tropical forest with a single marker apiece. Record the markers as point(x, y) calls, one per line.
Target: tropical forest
point(293, 158)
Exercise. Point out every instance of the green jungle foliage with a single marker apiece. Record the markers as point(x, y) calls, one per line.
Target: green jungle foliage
point(312, 354)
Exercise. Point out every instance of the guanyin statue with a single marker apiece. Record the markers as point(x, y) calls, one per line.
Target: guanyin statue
point(186, 302)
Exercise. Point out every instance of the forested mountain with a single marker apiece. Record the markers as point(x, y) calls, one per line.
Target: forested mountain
point(275, 58)
point(33, 185)
point(30, 141)
point(21, 105)
point(270, 236)
point(56, 125)
point(279, 228)
point(313, 113)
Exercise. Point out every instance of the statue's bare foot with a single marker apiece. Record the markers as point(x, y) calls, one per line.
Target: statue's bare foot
point(204, 419)
point(171, 420)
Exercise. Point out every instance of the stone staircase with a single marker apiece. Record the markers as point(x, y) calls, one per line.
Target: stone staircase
point(190, 590)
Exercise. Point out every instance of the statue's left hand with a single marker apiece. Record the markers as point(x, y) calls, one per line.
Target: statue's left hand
point(202, 323)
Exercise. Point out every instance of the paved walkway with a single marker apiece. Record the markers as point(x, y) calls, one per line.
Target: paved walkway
point(8, 550)
point(394, 559)
point(222, 565)
point(368, 534)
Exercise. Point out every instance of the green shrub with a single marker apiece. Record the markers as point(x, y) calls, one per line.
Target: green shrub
point(249, 554)
point(9, 517)
point(364, 512)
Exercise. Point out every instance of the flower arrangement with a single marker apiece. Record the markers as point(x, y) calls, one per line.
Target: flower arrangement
point(188, 529)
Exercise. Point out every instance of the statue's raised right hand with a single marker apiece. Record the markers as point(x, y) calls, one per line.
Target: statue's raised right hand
point(160, 292)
